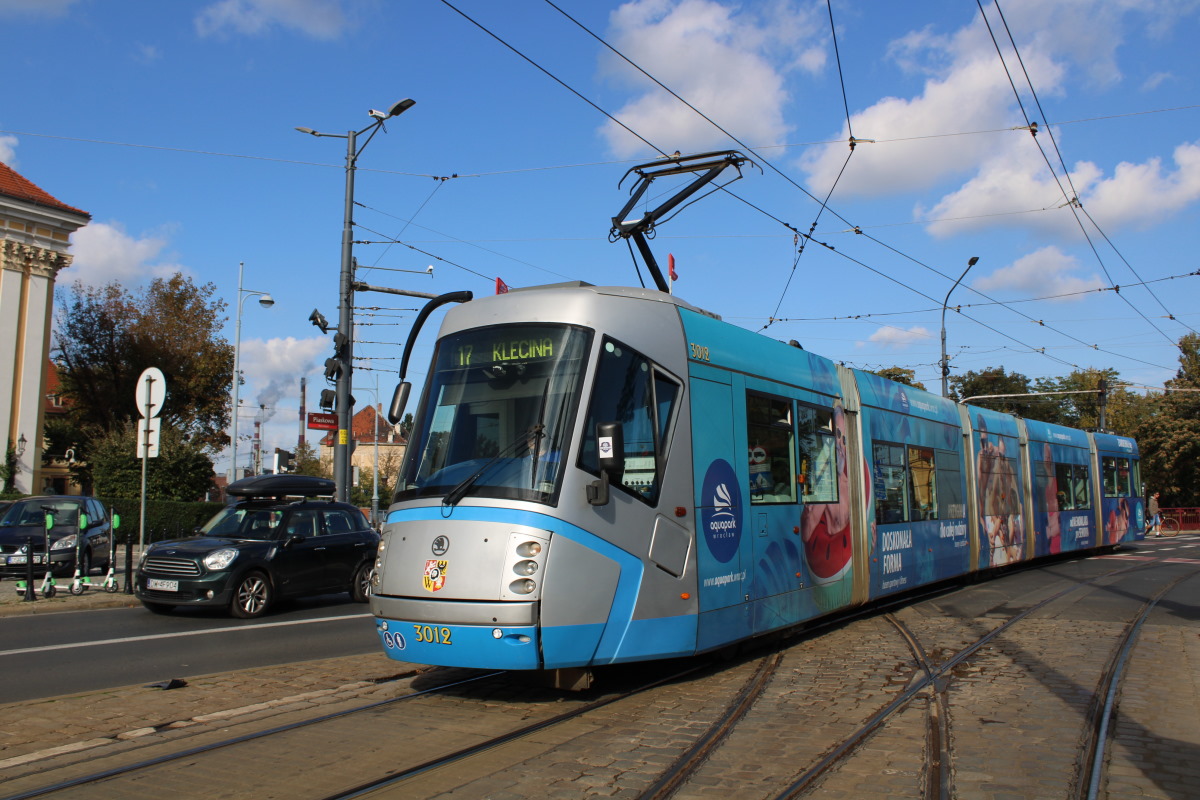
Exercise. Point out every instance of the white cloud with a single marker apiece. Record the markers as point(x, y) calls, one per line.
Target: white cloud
point(1044, 273)
point(967, 90)
point(1142, 194)
point(8, 150)
point(147, 53)
point(1136, 195)
point(727, 62)
point(320, 19)
point(975, 96)
point(898, 338)
point(105, 252)
point(1156, 80)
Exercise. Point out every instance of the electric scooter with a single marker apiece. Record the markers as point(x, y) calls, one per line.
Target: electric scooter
point(80, 582)
point(110, 580)
point(47, 588)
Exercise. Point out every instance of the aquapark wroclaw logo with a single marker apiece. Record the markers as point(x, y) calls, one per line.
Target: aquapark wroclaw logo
point(721, 511)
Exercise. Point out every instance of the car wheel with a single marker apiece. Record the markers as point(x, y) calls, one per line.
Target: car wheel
point(158, 608)
point(360, 590)
point(252, 596)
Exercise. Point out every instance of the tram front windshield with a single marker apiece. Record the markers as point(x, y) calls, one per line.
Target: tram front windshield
point(497, 414)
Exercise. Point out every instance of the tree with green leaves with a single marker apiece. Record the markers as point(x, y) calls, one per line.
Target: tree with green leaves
point(900, 375)
point(307, 462)
point(1169, 434)
point(181, 471)
point(991, 381)
point(8, 468)
point(106, 337)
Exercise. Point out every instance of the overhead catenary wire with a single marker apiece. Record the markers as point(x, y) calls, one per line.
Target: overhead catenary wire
point(823, 204)
point(1072, 197)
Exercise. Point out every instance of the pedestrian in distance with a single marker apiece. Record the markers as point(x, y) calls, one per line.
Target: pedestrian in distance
point(1155, 515)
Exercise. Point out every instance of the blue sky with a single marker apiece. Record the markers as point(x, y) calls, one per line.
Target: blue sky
point(173, 125)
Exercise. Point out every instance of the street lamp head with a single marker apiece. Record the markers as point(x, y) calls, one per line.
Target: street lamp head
point(401, 107)
point(266, 301)
point(973, 261)
point(308, 130)
point(21, 445)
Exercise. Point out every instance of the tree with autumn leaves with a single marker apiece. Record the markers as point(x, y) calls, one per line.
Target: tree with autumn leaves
point(105, 337)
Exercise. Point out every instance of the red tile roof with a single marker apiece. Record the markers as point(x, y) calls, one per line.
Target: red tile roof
point(13, 184)
point(363, 425)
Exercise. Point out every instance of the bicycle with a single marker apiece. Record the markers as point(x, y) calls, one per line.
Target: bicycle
point(1169, 525)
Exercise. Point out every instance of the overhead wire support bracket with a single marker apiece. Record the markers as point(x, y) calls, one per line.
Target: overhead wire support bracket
point(710, 164)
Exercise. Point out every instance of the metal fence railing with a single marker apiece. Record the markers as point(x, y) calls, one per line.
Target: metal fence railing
point(1189, 518)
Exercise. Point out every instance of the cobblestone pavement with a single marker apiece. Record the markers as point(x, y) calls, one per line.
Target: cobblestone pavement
point(1010, 706)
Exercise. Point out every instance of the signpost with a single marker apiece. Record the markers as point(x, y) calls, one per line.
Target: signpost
point(318, 421)
point(150, 394)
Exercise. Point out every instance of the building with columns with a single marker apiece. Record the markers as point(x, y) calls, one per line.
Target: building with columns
point(35, 235)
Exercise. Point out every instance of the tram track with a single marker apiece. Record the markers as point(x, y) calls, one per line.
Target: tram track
point(927, 680)
point(936, 682)
point(933, 682)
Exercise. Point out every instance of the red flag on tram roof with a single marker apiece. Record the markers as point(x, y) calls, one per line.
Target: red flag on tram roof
point(501, 287)
point(671, 267)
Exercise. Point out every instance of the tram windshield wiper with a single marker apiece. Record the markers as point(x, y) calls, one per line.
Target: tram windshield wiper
point(458, 492)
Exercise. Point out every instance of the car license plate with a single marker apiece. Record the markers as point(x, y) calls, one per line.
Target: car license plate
point(161, 585)
point(23, 559)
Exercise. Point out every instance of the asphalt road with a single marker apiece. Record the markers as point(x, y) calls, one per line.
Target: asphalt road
point(46, 655)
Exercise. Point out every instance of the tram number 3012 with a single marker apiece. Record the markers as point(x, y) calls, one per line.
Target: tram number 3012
point(432, 635)
point(699, 351)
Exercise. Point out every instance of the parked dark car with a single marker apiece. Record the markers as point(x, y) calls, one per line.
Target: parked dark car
point(277, 540)
point(25, 519)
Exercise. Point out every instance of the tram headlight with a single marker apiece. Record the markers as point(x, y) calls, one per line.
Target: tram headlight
point(529, 549)
point(525, 586)
point(525, 567)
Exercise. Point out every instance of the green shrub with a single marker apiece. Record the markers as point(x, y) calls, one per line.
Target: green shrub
point(165, 519)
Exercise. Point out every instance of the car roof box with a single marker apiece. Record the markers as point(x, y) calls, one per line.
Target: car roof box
point(281, 486)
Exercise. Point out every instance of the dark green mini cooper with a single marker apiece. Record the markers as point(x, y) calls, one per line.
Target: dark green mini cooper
point(277, 540)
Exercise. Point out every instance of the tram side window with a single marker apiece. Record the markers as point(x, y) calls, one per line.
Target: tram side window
point(1117, 477)
point(891, 484)
point(771, 439)
point(628, 389)
point(949, 484)
point(1072, 490)
point(818, 455)
point(923, 500)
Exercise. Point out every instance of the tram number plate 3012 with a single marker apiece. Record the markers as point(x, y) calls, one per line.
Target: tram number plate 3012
point(432, 634)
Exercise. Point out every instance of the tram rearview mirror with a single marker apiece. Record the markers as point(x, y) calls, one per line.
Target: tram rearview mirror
point(399, 401)
point(610, 447)
point(610, 444)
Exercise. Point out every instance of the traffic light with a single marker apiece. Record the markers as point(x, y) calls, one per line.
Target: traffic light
point(334, 367)
point(328, 399)
point(283, 461)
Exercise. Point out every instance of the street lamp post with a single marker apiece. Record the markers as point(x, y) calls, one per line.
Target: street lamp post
point(345, 329)
point(945, 364)
point(266, 301)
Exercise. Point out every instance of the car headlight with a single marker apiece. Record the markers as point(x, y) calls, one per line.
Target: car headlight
point(220, 559)
point(65, 543)
point(142, 558)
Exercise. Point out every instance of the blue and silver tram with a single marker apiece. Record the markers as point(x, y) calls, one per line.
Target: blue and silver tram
point(600, 475)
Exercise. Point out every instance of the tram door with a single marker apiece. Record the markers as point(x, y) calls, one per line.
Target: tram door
point(723, 540)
